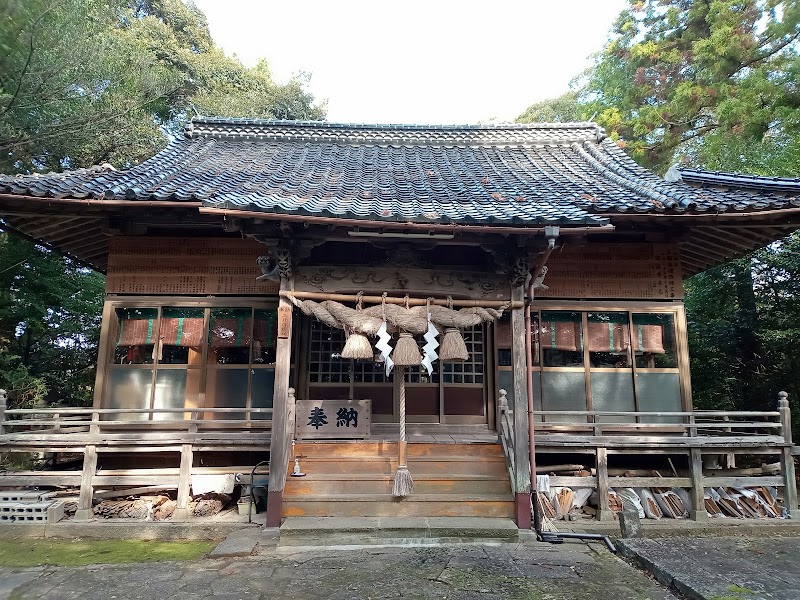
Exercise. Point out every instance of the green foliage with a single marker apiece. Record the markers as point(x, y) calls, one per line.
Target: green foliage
point(562, 109)
point(84, 82)
point(713, 83)
point(49, 325)
point(676, 72)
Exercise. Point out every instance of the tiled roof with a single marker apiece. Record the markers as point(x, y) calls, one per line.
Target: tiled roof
point(491, 174)
point(739, 181)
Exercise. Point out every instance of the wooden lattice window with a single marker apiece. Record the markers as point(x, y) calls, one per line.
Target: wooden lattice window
point(470, 371)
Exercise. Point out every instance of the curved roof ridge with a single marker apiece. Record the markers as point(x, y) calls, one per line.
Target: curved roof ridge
point(594, 157)
point(738, 180)
point(493, 134)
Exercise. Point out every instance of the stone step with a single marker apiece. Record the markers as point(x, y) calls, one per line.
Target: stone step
point(338, 531)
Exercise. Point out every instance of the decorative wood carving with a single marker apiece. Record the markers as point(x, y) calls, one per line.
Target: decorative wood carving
point(185, 266)
point(400, 281)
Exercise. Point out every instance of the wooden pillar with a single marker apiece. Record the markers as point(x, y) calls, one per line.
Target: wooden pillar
point(522, 477)
point(787, 460)
point(698, 491)
point(281, 439)
point(604, 512)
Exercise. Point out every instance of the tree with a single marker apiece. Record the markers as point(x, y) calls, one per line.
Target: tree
point(677, 74)
point(713, 83)
point(49, 324)
point(563, 109)
point(84, 82)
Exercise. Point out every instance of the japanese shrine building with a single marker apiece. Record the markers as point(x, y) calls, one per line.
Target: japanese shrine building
point(198, 241)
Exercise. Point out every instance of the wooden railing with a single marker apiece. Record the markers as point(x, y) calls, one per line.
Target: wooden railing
point(701, 423)
point(506, 432)
point(59, 421)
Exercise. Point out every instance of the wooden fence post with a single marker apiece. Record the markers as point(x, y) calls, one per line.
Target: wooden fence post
point(3, 407)
point(603, 508)
point(84, 512)
point(698, 491)
point(184, 483)
point(787, 460)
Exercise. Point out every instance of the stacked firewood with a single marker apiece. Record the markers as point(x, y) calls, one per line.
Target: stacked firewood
point(207, 505)
point(144, 508)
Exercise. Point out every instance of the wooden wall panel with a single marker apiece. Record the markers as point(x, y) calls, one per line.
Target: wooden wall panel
point(191, 266)
point(621, 271)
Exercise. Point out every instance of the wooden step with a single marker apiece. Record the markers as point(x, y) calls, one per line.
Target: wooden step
point(361, 449)
point(416, 505)
point(422, 465)
point(382, 484)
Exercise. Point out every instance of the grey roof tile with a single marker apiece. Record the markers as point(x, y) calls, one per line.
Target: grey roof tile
point(493, 174)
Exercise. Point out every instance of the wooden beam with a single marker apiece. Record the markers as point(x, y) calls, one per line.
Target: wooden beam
point(397, 300)
point(522, 465)
point(709, 242)
point(61, 227)
point(281, 439)
point(720, 235)
point(454, 228)
point(703, 249)
point(703, 260)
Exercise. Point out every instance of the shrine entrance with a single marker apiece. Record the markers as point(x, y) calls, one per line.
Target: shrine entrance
point(455, 393)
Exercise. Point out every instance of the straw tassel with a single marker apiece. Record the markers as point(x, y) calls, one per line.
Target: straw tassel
point(406, 352)
point(453, 347)
point(357, 346)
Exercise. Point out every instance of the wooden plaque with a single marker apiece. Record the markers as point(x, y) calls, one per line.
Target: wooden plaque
point(190, 266)
point(618, 271)
point(284, 322)
point(332, 419)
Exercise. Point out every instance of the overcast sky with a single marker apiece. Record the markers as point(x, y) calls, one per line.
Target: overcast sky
point(418, 61)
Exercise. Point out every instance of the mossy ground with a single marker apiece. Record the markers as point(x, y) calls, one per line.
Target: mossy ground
point(32, 552)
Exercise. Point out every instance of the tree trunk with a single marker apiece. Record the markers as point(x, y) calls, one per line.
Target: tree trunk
point(749, 353)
